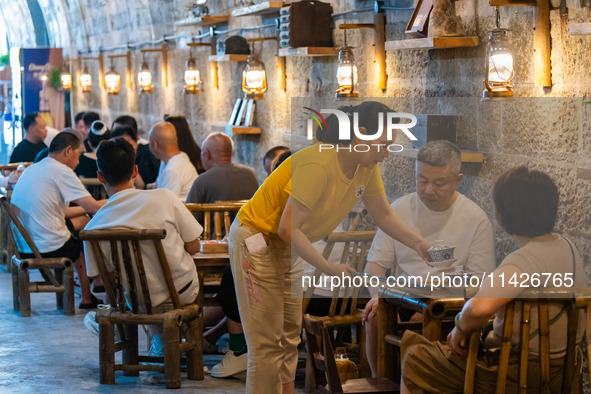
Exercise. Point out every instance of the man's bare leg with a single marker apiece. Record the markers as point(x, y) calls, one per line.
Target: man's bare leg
point(371, 344)
point(80, 266)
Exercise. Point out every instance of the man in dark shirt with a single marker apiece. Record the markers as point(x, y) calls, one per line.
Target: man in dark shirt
point(35, 132)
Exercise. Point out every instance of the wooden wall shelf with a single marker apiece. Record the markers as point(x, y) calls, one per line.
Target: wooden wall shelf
point(203, 20)
point(467, 156)
point(242, 129)
point(309, 51)
point(228, 58)
point(579, 29)
point(432, 43)
point(267, 7)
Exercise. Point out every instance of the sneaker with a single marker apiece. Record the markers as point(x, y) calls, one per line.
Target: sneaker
point(156, 346)
point(92, 326)
point(231, 365)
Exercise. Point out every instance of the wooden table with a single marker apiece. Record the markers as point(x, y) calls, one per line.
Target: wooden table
point(436, 306)
point(212, 266)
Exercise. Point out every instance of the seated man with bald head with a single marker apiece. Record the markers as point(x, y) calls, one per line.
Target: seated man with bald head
point(176, 173)
point(222, 179)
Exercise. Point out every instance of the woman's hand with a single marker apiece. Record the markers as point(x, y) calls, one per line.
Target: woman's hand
point(457, 342)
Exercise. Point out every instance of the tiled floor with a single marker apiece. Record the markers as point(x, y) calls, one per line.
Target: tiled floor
point(52, 353)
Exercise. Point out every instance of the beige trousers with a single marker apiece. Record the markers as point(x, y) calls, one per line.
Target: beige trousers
point(431, 367)
point(270, 316)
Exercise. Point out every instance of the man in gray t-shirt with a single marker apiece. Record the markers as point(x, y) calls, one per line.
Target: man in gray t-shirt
point(222, 179)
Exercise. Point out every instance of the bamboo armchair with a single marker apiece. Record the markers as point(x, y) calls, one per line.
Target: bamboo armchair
point(221, 212)
point(326, 375)
point(7, 245)
point(60, 281)
point(356, 247)
point(13, 166)
point(573, 304)
point(182, 322)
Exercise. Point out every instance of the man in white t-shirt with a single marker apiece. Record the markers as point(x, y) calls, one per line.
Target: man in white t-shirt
point(41, 200)
point(437, 212)
point(131, 208)
point(176, 172)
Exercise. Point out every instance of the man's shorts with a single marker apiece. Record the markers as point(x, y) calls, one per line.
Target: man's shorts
point(71, 249)
point(226, 296)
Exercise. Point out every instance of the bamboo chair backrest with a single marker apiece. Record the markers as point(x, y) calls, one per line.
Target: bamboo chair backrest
point(221, 214)
point(13, 166)
point(356, 247)
point(126, 271)
point(95, 187)
point(8, 212)
point(571, 305)
point(324, 364)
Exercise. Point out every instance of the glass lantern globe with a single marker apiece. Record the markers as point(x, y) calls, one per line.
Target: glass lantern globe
point(346, 74)
point(86, 81)
point(113, 82)
point(145, 79)
point(192, 77)
point(254, 79)
point(66, 79)
point(499, 65)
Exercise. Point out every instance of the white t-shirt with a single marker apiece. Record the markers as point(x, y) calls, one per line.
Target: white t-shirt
point(152, 209)
point(40, 199)
point(177, 175)
point(464, 225)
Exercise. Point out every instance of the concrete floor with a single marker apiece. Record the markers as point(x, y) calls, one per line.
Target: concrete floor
point(52, 353)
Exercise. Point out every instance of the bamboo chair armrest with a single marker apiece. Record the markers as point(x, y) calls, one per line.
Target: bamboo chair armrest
point(185, 313)
point(42, 263)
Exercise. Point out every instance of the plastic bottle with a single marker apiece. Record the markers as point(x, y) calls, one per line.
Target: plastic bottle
point(7, 121)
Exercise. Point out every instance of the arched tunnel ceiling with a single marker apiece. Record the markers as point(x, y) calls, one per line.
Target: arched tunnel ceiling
point(84, 25)
point(15, 15)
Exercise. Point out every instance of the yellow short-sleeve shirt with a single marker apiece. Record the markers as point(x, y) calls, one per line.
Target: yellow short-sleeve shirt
point(316, 180)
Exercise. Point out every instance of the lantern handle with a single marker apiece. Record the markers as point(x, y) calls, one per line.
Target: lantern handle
point(498, 18)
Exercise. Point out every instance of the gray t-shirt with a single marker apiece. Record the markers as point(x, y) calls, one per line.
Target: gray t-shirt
point(554, 257)
point(224, 182)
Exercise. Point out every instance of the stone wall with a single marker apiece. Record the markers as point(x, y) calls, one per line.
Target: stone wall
point(551, 135)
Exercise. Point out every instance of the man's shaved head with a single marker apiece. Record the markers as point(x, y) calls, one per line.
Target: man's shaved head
point(163, 142)
point(219, 144)
point(216, 149)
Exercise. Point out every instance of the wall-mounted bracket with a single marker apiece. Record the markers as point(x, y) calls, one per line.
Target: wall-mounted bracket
point(127, 69)
point(164, 52)
point(101, 66)
point(378, 26)
point(541, 36)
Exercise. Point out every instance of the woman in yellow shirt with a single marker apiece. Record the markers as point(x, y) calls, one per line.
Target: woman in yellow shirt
point(301, 202)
